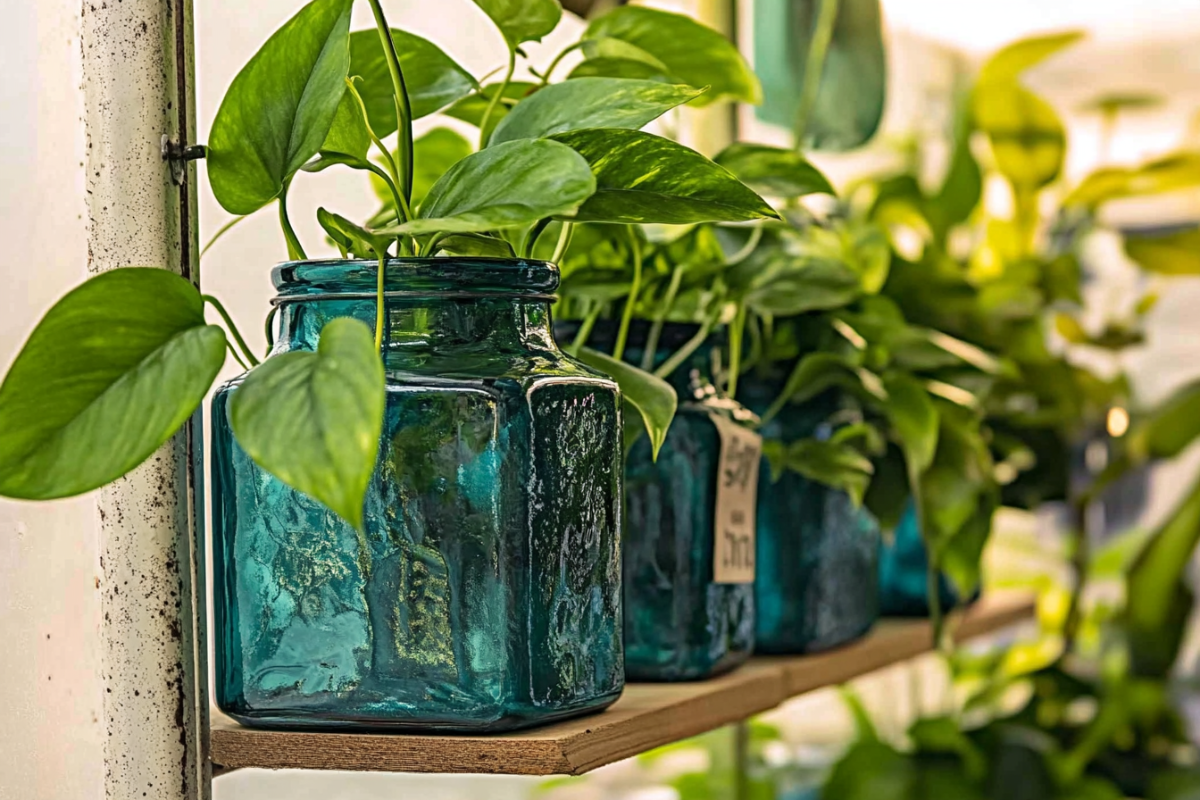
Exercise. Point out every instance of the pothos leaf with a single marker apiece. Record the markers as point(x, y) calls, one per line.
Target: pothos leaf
point(314, 419)
point(691, 52)
point(511, 184)
point(280, 107)
point(773, 171)
point(108, 375)
point(523, 20)
point(643, 178)
point(433, 79)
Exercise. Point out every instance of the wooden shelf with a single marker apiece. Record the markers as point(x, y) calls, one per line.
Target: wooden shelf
point(647, 715)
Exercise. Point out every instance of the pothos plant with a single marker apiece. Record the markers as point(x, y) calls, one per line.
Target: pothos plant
point(120, 363)
point(1086, 710)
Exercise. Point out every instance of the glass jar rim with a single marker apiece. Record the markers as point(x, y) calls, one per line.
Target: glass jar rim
point(417, 277)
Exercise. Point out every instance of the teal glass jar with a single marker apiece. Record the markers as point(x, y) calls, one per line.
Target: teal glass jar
point(904, 573)
point(818, 554)
point(485, 594)
point(680, 623)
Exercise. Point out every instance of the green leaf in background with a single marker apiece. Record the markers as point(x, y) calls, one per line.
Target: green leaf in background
point(590, 103)
point(620, 68)
point(108, 375)
point(472, 108)
point(691, 52)
point(1171, 427)
point(348, 133)
point(432, 78)
point(1009, 63)
point(523, 20)
point(959, 496)
point(871, 770)
point(914, 419)
point(644, 178)
point(1175, 172)
point(313, 420)
point(850, 100)
point(511, 184)
point(773, 171)
point(962, 188)
point(1159, 601)
point(1176, 253)
point(610, 49)
point(433, 156)
point(653, 398)
point(1028, 138)
point(279, 108)
point(790, 285)
point(833, 464)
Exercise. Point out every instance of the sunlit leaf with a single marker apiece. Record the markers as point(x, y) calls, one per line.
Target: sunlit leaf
point(432, 79)
point(280, 107)
point(590, 103)
point(108, 375)
point(692, 53)
point(645, 178)
point(511, 184)
point(313, 419)
point(1176, 253)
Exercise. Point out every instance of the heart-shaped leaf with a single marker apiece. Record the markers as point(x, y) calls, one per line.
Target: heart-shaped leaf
point(773, 171)
point(314, 419)
point(644, 178)
point(511, 184)
point(590, 103)
point(1028, 138)
point(914, 419)
point(280, 107)
point(108, 375)
point(838, 465)
point(433, 79)
point(692, 53)
point(523, 20)
point(619, 68)
point(651, 397)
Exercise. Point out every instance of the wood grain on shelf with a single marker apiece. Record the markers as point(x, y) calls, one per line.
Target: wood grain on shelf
point(646, 716)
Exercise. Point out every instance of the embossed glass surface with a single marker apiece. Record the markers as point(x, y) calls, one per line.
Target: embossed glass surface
point(904, 573)
point(485, 593)
point(679, 624)
point(817, 553)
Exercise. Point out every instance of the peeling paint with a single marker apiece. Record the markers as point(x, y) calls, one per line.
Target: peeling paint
point(153, 659)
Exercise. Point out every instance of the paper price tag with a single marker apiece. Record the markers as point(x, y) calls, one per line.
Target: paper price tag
point(737, 493)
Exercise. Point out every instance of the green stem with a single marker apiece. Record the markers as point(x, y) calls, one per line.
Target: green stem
point(558, 60)
point(237, 335)
point(748, 248)
point(532, 237)
point(736, 331)
point(564, 241)
point(933, 589)
point(585, 330)
point(404, 117)
point(631, 301)
point(233, 351)
point(224, 229)
point(660, 318)
point(403, 210)
point(487, 115)
point(814, 67)
point(381, 273)
point(684, 353)
point(295, 250)
point(269, 329)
